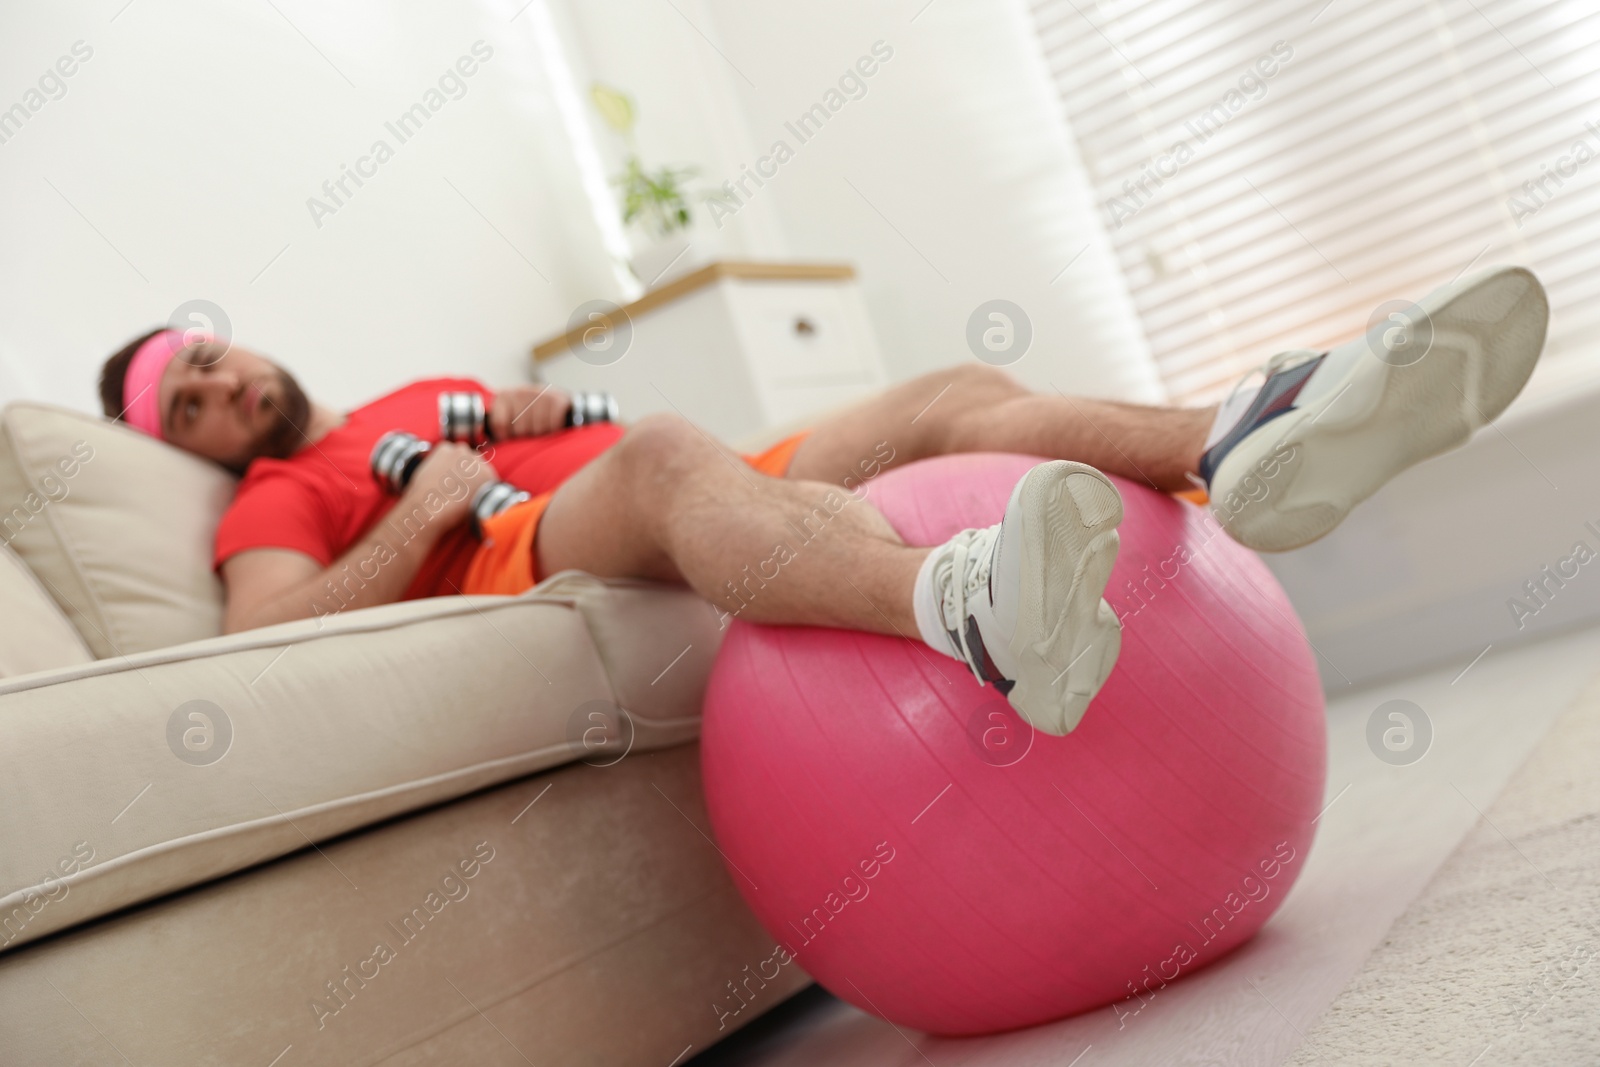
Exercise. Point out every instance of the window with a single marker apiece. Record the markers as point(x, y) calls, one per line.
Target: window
point(1270, 173)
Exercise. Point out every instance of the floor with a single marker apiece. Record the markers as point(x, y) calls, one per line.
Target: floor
point(1494, 963)
point(1386, 830)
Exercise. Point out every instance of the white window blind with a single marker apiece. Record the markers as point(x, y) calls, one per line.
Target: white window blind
point(1270, 172)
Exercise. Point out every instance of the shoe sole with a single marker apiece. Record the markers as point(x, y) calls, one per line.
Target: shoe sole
point(1307, 469)
point(1067, 637)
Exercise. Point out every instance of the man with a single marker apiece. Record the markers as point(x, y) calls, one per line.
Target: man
point(1292, 451)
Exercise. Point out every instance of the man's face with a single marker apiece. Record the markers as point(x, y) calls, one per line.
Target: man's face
point(231, 405)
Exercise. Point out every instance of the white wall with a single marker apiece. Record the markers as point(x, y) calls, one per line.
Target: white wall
point(959, 145)
point(184, 152)
point(690, 111)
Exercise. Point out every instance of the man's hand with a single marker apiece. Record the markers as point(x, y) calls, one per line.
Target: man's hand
point(271, 585)
point(443, 484)
point(528, 410)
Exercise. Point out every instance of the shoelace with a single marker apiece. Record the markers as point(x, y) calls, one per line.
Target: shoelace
point(965, 572)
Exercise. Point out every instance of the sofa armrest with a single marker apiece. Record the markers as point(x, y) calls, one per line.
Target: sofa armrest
point(136, 776)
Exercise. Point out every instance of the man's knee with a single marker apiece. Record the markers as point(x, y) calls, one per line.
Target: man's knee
point(983, 380)
point(950, 424)
point(660, 440)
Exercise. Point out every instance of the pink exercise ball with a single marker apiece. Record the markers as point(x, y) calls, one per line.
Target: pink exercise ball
point(920, 851)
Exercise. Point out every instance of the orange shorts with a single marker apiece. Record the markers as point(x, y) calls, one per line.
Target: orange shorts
point(505, 563)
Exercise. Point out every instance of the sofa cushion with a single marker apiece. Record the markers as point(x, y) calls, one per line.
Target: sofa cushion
point(118, 528)
point(657, 649)
point(34, 635)
point(130, 777)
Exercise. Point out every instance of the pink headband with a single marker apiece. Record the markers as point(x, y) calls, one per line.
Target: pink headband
point(141, 385)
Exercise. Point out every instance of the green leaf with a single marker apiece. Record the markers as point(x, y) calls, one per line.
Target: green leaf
point(614, 105)
point(655, 200)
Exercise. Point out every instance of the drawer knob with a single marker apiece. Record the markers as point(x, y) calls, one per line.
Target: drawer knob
point(803, 327)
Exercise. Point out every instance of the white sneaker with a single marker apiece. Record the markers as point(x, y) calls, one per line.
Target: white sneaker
point(1021, 600)
point(1291, 454)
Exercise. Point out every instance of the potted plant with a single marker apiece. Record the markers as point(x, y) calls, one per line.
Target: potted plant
point(655, 203)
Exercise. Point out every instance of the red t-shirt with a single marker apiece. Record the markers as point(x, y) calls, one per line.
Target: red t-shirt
point(324, 498)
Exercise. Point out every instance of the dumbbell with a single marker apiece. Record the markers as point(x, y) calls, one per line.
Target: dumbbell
point(464, 418)
point(398, 454)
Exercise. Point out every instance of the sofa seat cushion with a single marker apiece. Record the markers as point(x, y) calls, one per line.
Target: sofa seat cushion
point(34, 635)
point(118, 527)
point(133, 776)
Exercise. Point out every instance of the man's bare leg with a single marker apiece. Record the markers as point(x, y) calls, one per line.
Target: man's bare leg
point(978, 408)
point(669, 503)
point(1023, 612)
point(1308, 436)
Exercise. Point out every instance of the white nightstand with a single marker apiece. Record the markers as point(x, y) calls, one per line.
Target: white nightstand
point(735, 347)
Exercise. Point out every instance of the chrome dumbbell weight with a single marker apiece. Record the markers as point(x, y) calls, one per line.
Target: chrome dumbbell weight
point(397, 455)
point(463, 417)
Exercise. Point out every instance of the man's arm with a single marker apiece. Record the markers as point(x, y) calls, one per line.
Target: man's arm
point(272, 585)
point(264, 586)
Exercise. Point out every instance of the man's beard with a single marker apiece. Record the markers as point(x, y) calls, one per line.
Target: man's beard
point(292, 416)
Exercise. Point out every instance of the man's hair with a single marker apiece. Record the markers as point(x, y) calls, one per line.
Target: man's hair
point(115, 372)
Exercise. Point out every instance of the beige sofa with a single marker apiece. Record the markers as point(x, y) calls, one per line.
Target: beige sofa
point(449, 831)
